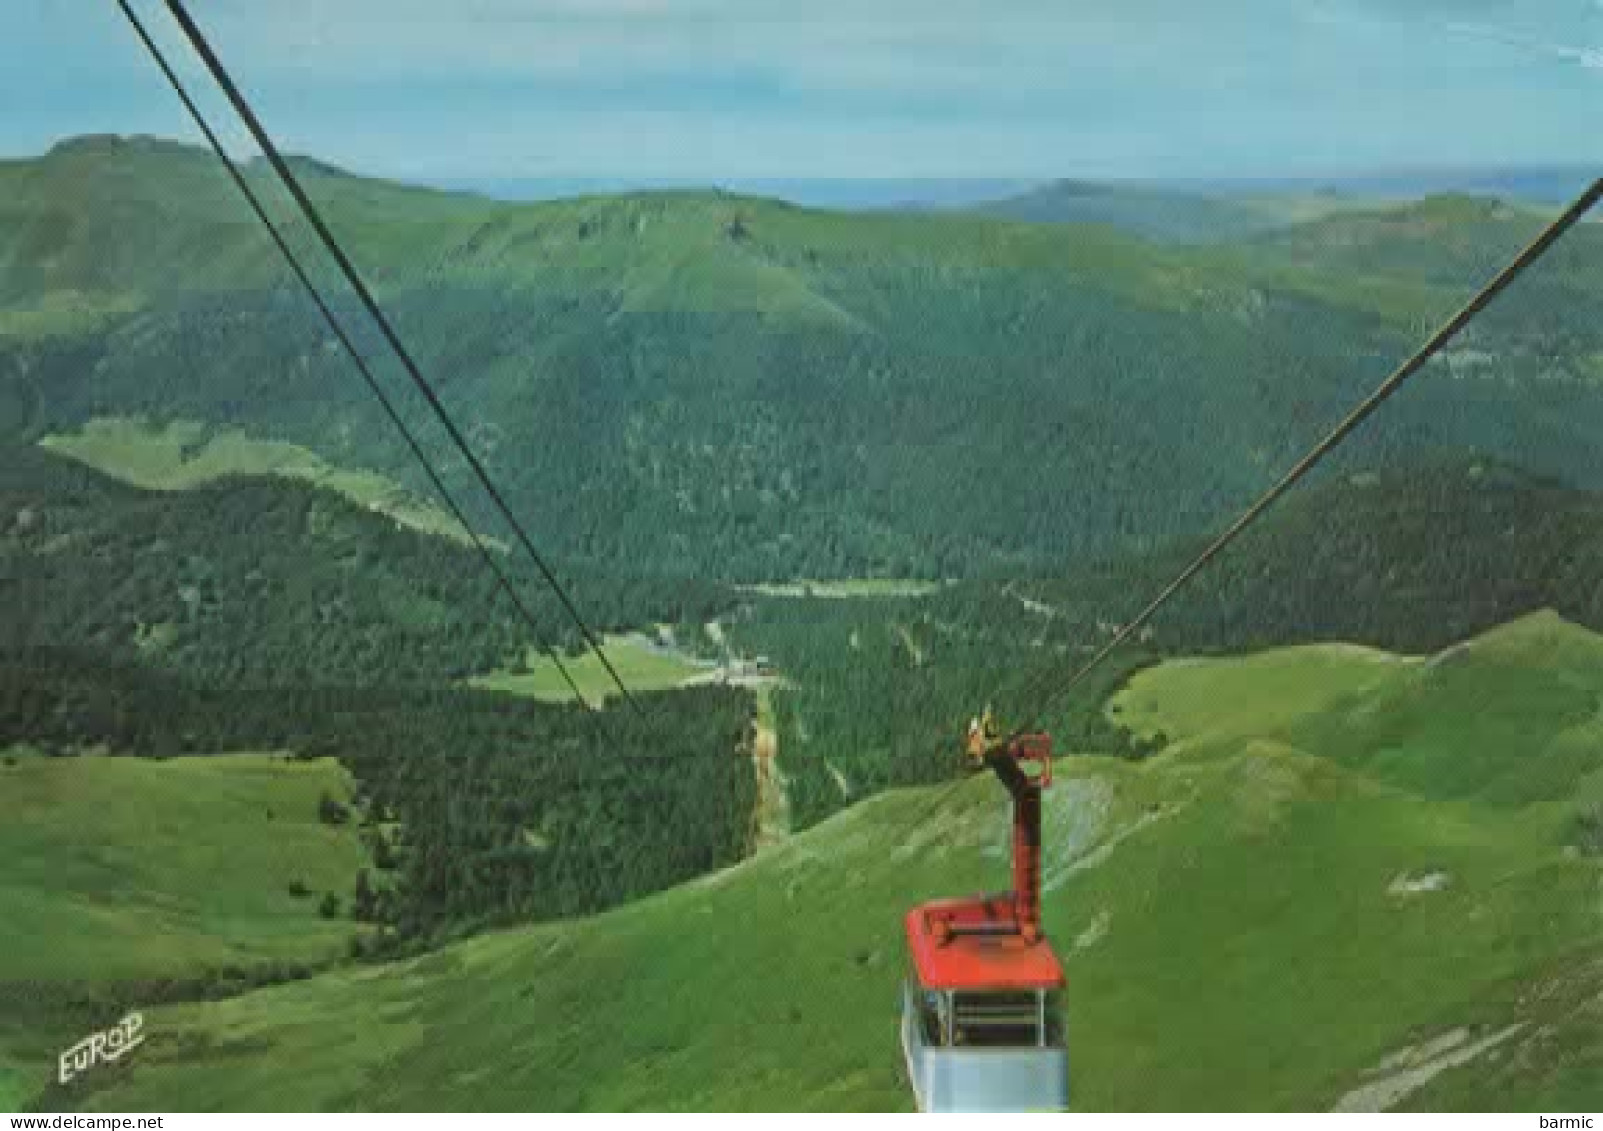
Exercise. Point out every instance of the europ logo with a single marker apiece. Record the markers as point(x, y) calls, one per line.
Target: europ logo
point(112, 1044)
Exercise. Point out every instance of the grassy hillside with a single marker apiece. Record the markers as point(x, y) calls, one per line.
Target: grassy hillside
point(185, 453)
point(1511, 718)
point(122, 868)
point(107, 216)
point(1246, 923)
point(707, 385)
point(508, 809)
point(124, 876)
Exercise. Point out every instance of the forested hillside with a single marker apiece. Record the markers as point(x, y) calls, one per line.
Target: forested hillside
point(703, 385)
point(256, 581)
point(477, 807)
point(259, 613)
point(1410, 559)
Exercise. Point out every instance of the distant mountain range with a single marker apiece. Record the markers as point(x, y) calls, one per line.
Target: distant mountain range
point(1166, 213)
point(1032, 198)
point(1211, 212)
point(1540, 184)
point(813, 192)
point(708, 385)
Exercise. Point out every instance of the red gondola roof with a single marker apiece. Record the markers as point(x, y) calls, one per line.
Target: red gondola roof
point(998, 959)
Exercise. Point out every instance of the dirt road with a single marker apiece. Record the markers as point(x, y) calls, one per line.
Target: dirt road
point(771, 817)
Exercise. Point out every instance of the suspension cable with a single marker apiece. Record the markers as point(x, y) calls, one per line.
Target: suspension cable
point(1399, 377)
point(286, 175)
point(295, 265)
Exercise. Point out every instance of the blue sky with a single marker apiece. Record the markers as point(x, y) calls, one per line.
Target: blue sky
point(462, 89)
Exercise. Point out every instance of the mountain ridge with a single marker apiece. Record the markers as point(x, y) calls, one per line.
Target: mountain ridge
point(751, 390)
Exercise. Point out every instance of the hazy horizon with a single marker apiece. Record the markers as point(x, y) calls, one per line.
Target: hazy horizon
point(668, 89)
point(1545, 184)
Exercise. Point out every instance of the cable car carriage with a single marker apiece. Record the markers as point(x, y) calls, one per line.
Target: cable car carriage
point(982, 1025)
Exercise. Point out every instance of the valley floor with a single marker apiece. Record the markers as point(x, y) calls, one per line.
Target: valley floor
point(1346, 881)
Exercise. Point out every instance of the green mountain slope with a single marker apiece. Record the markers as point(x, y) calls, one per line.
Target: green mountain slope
point(479, 807)
point(268, 580)
point(1246, 923)
point(715, 386)
point(1434, 735)
point(129, 881)
point(260, 580)
point(105, 216)
point(1165, 214)
point(123, 868)
point(1446, 236)
point(1422, 555)
point(1508, 719)
point(186, 454)
point(1411, 558)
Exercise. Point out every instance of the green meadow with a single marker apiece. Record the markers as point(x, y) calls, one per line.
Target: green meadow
point(641, 668)
point(186, 453)
point(123, 868)
point(1265, 916)
point(848, 588)
point(122, 873)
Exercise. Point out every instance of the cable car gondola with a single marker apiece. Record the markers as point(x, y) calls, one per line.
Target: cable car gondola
point(982, 1025)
